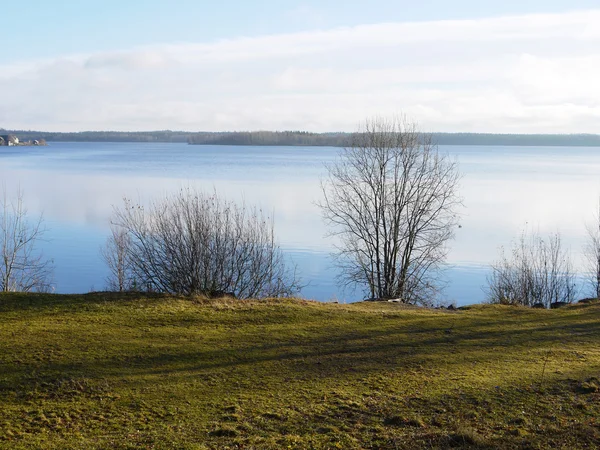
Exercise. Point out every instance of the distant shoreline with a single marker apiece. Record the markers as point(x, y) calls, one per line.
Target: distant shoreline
point(11, 140)
point(301, 138)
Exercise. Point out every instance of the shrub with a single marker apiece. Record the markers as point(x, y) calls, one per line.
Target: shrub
point(536, 272)
point(193, 243)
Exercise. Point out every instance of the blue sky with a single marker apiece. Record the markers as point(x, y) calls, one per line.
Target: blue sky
point(511, 66)
point(42, 28)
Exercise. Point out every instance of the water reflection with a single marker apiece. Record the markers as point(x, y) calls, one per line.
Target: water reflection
point(76, 185)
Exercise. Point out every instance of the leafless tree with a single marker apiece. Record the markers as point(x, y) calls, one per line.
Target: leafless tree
point(591, 252)
point(537, 271)
point(116, 257)
point(194, 243)
point(23, 268)
point(391, 198)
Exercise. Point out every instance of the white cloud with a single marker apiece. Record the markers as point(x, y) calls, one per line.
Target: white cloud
point(143, 59)
point(534, 73)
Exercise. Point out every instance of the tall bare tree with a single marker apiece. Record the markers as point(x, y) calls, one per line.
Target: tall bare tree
point(392, 198)
point(194, 243)
point(591, 252)
point(536, 271)
point(22, 267)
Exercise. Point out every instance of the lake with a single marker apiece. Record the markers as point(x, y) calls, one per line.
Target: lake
point(505, 189)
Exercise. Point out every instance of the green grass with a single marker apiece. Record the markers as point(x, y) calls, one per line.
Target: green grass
point(109, 371)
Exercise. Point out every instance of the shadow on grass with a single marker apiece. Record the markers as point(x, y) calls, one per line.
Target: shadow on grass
point(17, 301)
point(356, 367)
point(397, 344)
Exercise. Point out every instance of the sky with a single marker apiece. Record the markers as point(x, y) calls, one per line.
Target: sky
point(461, 66)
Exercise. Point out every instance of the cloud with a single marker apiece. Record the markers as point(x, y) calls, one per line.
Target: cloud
point(144, 59)
point(532, 73)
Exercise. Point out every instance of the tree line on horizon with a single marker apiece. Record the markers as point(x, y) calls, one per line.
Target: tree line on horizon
point(299, 138)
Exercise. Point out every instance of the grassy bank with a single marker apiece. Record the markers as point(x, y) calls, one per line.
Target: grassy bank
point(108, 371)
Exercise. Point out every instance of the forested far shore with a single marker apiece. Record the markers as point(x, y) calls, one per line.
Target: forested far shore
point(102, 136)
point(302, 138)
point(299, 138)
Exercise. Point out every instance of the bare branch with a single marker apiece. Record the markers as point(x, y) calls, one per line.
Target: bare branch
point(195, 243)
point(391, 199)
point(537, 271)
point(591, 252)
point(22, 267)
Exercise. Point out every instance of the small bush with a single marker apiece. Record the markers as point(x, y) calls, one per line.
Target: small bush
point(536, 272)
point(193, 243)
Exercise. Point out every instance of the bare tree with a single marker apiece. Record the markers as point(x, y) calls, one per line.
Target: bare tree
point(116, 257)
point(391, 199)
point(193, 243)
point(537, 271)
point(591, 252)
point(22, 267)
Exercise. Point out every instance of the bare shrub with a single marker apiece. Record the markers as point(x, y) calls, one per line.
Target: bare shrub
point(391, 199)
point(22, 267)
point(194, 243)
point(536, 271)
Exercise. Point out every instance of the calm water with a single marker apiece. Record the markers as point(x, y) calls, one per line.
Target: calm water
point(75, 185)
